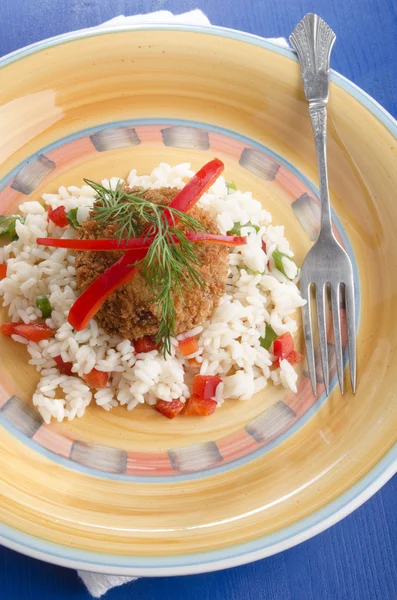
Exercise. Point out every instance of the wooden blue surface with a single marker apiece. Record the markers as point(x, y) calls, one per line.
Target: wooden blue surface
point(357, 558)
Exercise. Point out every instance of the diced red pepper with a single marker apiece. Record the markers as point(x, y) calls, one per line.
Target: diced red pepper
point(121, 272)
point(200, 407)
point(193, 363)
point(264, 248)
point(34, 332)
point(58, 216)
point(169, 409)
point(188, 346)
point(205, 386)
point(64, 367)
point(145, 344)
point(293, 358)
point(7, 328)
point(96, 379)
point(137, 243)
point(3, 271)
point(283, 345)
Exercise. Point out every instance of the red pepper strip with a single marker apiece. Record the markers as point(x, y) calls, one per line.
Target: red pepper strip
point(121, 272)
point(195, 188)
point(213, 238)
point(35, 332)
point(88, 304)
point(136, 243)
point(3, 271)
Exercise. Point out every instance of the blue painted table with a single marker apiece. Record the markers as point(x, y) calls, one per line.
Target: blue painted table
point(357, 558)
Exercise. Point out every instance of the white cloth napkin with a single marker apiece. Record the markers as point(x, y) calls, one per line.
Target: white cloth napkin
point(98, 583)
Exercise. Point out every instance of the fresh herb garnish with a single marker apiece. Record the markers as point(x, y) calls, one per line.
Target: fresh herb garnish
point(270, 336)
point(231, 186)
point(71, 216)
point(126, 210)
point(278, 261)
point(236, 230)
point(8, 226)
point(167, 266)
point(253, 272)
point(43, 304)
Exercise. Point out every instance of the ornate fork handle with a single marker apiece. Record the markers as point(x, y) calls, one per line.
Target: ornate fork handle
point(313, 39)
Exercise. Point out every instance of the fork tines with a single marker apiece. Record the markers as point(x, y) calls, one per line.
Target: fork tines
point(341, 300)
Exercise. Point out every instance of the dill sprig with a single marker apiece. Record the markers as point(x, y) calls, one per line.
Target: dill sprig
point(168, 265)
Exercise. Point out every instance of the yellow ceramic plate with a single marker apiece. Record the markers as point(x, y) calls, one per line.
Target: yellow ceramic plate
point(133, 493)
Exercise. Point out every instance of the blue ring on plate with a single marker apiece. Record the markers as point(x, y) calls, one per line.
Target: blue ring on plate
point(279, 439)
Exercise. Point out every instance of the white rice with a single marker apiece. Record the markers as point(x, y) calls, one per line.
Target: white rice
point(256, 294)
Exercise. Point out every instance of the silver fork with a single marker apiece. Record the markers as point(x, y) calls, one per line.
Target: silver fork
point(326, 263)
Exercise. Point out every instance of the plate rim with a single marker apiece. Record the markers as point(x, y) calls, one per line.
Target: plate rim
point(292, 535)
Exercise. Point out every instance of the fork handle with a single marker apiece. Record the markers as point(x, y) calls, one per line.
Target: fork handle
point(318, 115)
point(313, 39)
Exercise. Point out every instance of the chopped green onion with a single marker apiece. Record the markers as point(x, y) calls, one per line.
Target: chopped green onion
point(71, 216)
point(252, 272)
point(278, 261)
point(12, 233)
point(7, 226)
point(43, 303)
point(270, 336)
point(237, 228)
point(231, 186)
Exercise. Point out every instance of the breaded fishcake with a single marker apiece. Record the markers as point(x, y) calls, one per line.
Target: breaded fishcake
point(131, 311)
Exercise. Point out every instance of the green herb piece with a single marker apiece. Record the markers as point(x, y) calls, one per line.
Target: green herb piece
point(167, 265)
point(231, 186)
point(132, 212)
point(270, 336)
point(43, 303)
point(278, 261)
point(71, 216)
point(237, 228)
point(7, 226)
point(252, 272)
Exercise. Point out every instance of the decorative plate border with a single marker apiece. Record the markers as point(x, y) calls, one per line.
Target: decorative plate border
point(263, 433)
